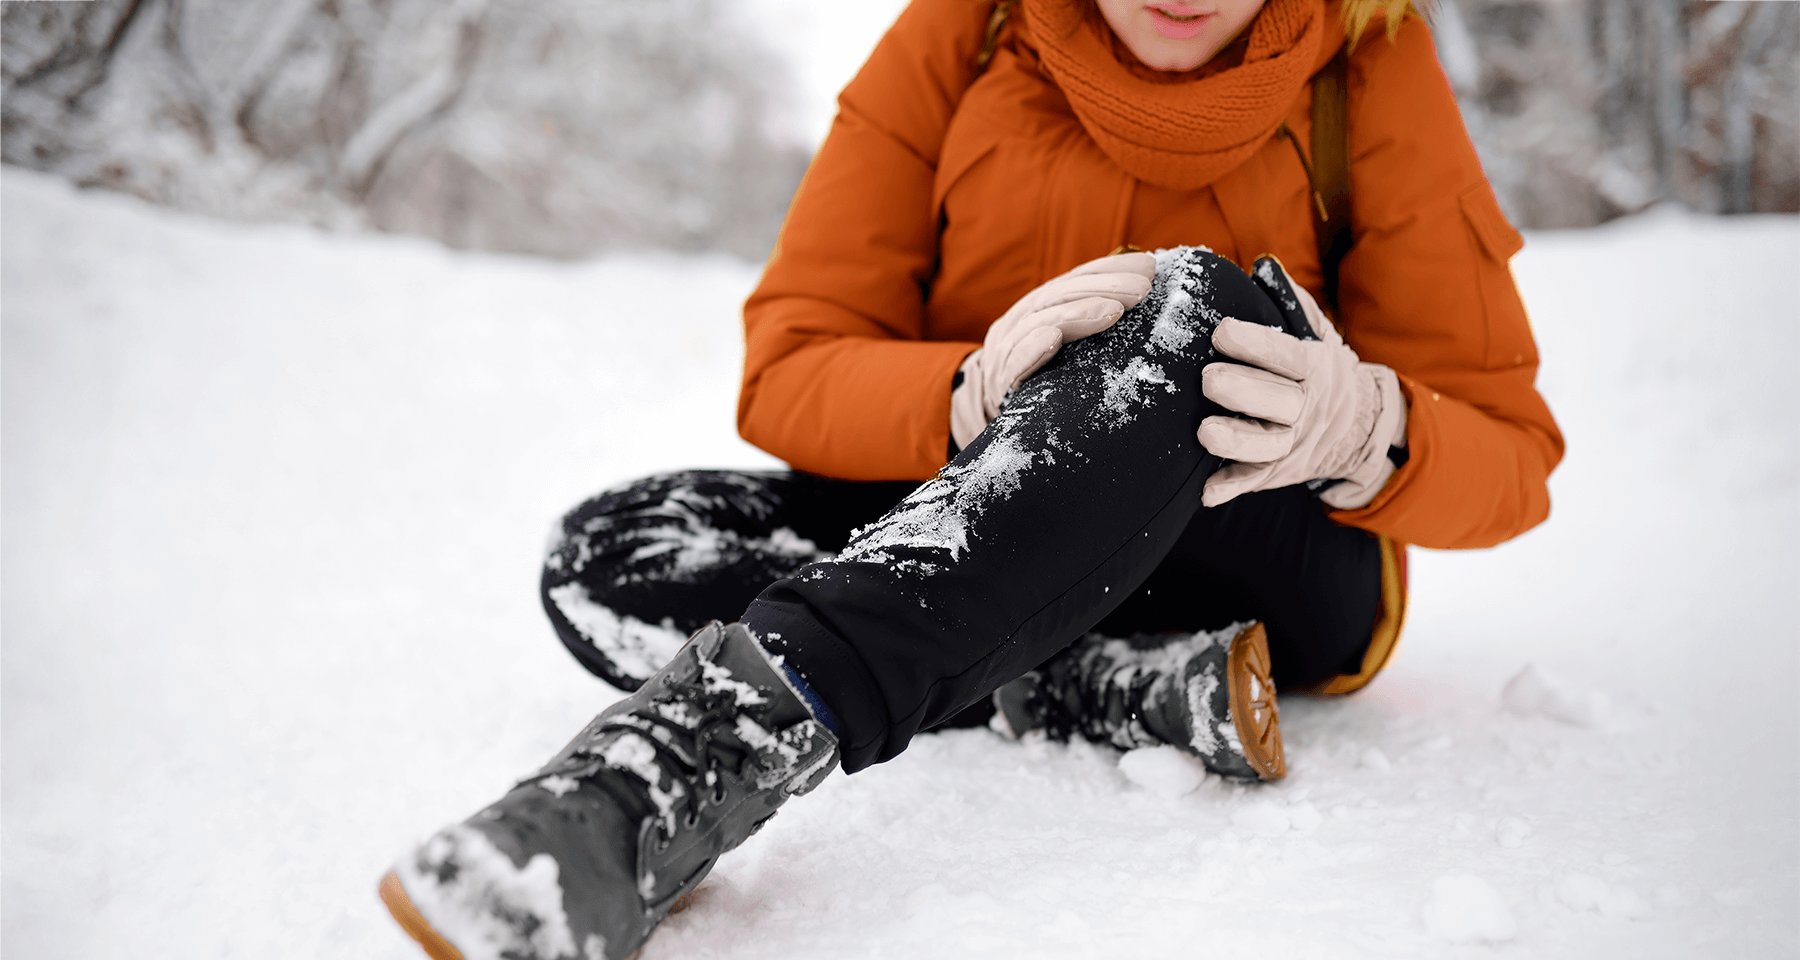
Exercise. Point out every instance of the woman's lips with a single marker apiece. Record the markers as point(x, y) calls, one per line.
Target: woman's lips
point(1178, 22)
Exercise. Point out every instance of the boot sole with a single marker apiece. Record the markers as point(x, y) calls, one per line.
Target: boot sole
point(393, 895)
point(1253, 709)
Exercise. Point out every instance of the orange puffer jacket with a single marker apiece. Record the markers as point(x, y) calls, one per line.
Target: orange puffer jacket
point(943, 193)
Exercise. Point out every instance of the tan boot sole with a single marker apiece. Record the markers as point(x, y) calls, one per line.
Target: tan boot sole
point(413, 922)
point(1253, 708)
point(393, 894)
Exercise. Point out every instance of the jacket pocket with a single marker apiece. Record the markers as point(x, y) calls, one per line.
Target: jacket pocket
point(977, 228)
point(963, 149)
point(1482, 211)
point(1509, 344)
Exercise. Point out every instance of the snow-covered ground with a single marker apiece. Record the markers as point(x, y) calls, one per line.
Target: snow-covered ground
point(273, 505)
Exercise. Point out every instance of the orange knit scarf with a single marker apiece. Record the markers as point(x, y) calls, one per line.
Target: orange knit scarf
point(1179, 135)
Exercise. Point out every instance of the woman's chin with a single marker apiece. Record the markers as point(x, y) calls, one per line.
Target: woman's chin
point(1174, 58)
point(1176, 65)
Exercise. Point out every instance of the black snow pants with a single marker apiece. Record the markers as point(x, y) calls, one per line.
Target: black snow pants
point(1078, 509)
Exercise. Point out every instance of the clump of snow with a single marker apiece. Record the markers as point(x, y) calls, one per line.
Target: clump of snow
point(785, 541)
point(1200, 692)
point(559, 785)
point(717, 678)
point(1163, 770)
point(637, 648)
point(1374, 758)
point(1185, 299)
point(693, 549)
point(1532, 692)
point(1170, 334)
point(1582, 891)
point(1266, 272)
point(475, 896)
point(1464, 908)
point(1125, 388)
point(934, 519)
point(631, 752)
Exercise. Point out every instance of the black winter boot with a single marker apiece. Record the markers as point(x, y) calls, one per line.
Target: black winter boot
point(1208, 694)
point(583, 859)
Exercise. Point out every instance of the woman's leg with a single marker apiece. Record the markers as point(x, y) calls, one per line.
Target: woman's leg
point(1060, 509)
point(631, 572)
point(1056, 514)
point(1275, 557)
point(1181, 663)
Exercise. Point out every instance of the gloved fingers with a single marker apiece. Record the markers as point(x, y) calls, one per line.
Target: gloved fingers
point(1029, 353)
point(1125, 289)
point(1266, 347)
point(1246, 440)
point(1234, 480)
point(1081, 318)
point(1253, 392)
point(1140, 263)
point(1122, 277)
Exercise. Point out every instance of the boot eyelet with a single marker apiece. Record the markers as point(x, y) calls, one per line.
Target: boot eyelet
point(691, 820)
point(718, 792)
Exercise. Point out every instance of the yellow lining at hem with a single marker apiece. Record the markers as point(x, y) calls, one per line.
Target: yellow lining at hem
point(1386, 634)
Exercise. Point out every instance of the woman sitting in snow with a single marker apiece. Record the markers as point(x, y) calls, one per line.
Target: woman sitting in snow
point(1159, 486)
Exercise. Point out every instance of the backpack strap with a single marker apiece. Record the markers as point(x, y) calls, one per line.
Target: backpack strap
point(1002, 10)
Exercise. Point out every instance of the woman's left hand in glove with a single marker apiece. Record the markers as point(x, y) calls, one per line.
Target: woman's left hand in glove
point(1309, 408)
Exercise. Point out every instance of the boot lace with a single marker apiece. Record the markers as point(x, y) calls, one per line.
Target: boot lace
point(691, 730)
point(1098, 698)
point(1116, 701)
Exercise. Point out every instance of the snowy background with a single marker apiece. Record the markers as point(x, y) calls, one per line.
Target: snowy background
point(273, 505)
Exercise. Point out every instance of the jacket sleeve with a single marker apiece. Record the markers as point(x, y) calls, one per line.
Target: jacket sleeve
point(839, 378)
point(1427, 290)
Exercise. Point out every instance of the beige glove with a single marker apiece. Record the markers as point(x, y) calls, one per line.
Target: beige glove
point(1310, 409)
point(1080, 303)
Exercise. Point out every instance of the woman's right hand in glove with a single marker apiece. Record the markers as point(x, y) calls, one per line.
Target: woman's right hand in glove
point(1080, 303)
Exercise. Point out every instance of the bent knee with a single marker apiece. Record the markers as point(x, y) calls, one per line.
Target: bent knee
point(1194, 290)
point(1199, 289)
point(646, 548)
point(616, 523)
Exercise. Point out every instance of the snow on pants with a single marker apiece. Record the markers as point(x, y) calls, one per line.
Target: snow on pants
point(1077, 509)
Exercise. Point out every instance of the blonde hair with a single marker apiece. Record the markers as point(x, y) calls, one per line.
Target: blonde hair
point(1358, 14)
